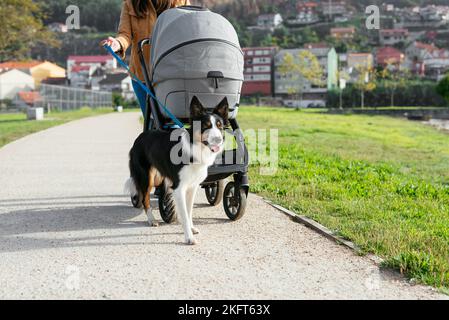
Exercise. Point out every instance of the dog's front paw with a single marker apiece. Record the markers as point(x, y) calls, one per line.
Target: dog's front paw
point(190, 241)
point(195, 230)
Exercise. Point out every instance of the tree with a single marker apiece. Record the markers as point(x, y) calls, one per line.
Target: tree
point(443, 88)
point(365, 82)
point(304, 67)
point(21, 22)
point(343, 76)
point(395, 77)
point(117, 99)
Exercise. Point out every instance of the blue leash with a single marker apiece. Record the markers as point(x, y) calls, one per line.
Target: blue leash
point(144, 87)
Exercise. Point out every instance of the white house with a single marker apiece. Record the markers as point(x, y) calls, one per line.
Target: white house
point(436, 64)
point(118, 82)
point(390, 37)
point(13, 81)
point(58, 27)
point(434, 61)
point(269, 21)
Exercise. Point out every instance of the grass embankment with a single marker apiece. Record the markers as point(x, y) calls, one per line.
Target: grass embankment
point(381, 182)
point(14, 126)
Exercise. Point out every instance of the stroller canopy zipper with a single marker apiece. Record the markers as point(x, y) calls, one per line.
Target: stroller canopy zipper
point(183, 44)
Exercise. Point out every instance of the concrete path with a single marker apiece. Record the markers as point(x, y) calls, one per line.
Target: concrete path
point(67, 231)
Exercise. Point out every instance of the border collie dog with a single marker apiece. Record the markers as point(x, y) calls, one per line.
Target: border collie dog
point(178, 160)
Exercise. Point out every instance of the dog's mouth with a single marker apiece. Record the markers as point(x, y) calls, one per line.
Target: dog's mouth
point(212, 147)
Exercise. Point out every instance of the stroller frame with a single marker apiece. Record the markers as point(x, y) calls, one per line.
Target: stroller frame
point(234, 194)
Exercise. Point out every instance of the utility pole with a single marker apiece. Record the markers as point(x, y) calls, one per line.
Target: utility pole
point(330, 10)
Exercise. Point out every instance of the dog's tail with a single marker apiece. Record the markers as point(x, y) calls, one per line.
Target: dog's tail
point(139, 176)
point(130, 187)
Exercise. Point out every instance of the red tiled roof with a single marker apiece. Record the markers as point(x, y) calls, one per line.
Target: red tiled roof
point(307, 5)
point(19, 64)
point(388, 54)
point(29, 97)
point(425, 46)
point(90, 59)
point(433, 50)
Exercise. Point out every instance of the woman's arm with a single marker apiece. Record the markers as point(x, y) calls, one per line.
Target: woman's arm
point(124, 34)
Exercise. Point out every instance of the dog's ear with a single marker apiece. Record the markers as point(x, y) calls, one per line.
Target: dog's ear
point(222, 110)
point(196, 108)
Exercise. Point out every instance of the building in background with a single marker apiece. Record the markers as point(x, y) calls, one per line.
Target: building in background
point(356, 59)
point(58, 27)
point(13, 81)
point(390, 37)
point(422, 18)
point(118, 83)
point(258, 71)
point(307, 14)
point(389, 56)
point(427, 60)
point(312, 95)
point(93, 62)
point(39, 70)
point(25, 99)
point(268, 21)
point(343, 33)
point(80, 76)
point(334, 9)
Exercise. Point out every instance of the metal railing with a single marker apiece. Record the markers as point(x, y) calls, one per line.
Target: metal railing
point(63, 98)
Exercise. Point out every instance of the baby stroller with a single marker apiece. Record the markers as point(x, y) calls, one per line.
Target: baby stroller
point(195, 52)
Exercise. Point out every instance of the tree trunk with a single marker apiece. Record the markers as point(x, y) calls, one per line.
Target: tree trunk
point(362, 94)
point(392, 98)
point(341, 99)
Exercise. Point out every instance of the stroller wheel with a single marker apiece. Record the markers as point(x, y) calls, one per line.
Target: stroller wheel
point(234, 201)
point(137, 201)
point(214, 192)
point(166, 206)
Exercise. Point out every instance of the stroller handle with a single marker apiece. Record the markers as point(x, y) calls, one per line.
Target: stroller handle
point(141, 45)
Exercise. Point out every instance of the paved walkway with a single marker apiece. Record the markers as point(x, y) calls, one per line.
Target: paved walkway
point(67, 231)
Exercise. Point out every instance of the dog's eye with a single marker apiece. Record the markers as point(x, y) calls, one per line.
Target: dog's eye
point(219, 125)
point(207, 124)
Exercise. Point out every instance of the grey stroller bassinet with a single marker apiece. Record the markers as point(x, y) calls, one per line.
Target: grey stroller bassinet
point(195, 52)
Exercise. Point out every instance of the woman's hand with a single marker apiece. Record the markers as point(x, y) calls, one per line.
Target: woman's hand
point(113, 43)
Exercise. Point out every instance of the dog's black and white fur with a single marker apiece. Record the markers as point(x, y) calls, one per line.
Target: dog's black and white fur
point(151, 164)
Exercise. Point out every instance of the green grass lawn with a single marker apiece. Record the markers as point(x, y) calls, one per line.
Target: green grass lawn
point(381, 182)
point(15, 126)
